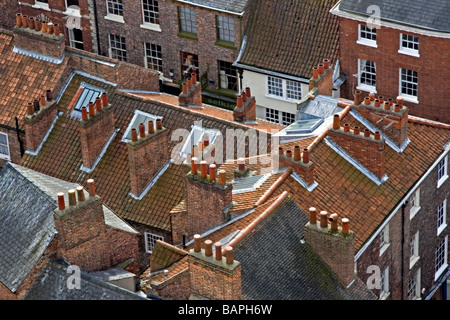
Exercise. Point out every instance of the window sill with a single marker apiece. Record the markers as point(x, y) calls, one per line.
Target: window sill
point(367, 88)
point(367, 43)
point(441, 181)
point(411, 99)
point(72, 12)
point(409, 53)
point(441, 228)
point(413, 212)
point(384, 248)
point(114, 18)
point(413, 261)
point(151, 26)
point(3, 157)
point(226, 44)
point(440, 271)
point(41, 5)
point(281, 98)
point(187, 35)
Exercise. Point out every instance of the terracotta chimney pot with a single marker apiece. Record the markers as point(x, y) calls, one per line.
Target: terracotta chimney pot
point(208, 248)
point(313, 216)
point(61, 203)
point(323, 219)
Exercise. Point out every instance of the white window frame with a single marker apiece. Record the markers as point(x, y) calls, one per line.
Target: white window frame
point(442, 212)
point(41, 5)
point(286, 86)
point(444, 264)
point(406, 50)
point(416, 279)
point(407, 97)
point(72, 40)
point(384, 284)
point(150, 25)
point(384, 239)
point(113, 16)
point(365, 41)
point(364, 86)
point(2, 155)
point(72, 10)
point(117, 49)
point(442, 165)
point(156, 58)
point(414, 250)
point(415, 203)
point(150, 240)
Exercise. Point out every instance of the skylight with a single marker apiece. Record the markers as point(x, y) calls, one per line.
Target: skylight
point(139, 117)
point(249, 184)
point(89, 93)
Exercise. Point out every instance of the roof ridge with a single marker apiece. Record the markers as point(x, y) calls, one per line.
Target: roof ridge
point(428, 122)
point(273, 187)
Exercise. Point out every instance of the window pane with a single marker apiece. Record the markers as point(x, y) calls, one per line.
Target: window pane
point(367, 73)
point(187, 20)
point(368, 33)
point(228, 76)
point(409, 82)
point(293, 90)
point(275, 86)
point(272, 115)
point(151, 11)
point(115, 7)
point(225, 26)
point(153, 56)
point(118, 47)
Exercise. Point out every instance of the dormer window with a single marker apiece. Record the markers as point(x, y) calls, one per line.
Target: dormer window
point(89, 94)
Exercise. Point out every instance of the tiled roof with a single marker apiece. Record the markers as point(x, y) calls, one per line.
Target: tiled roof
point(22, 79)
point(290, 37)
point(417, 13)
point(51, 284)
point(60, 155)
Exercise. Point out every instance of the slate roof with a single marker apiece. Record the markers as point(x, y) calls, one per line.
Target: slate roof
point(51, 284)
point(290, 37)
point(23, 79)
point(417, 13)
point(237, 6)
point(277, 266)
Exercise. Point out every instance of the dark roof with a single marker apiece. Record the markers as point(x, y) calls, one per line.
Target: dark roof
point(26, 225)
point(229, 5)
point(52, 284)
point(277, 266)
point(290, 37)
point(418, 13)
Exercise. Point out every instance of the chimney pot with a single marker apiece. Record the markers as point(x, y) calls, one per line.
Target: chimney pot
point(44, 27)
point(203, 169)
point(222, 177)
point(104, 98)
point(306, 155)
point(49, 95)
point(72, 197)
point(377, 103)
point(241, 164)
point(184, 88)
point(244, 97)
point(18, 19)
point(289, 154)
point(142, 130)
point(248, 92)
point(50, 28)
point(195, 150)
point(312, 216)
point(91, 187)
point(25, 21)
point(367, 100)
point(189, 83)
point(400, 101)
point(197, 243)
point(229, 254)
point(159, 125)
point(357, 100)
point(36, 105)
point(208, 248)
point(80, 194)
point(297, 153)
point(391, 101)
point(56, 29)
point(280, 150)
point(61, 204)
point(397, 108)
point(218, 246)
point(366, 133)
point(377, 135)
point(387, 106)
point(326, 63)
point(37, 25)
point(356, 130)
point(323, 219)
point(336, 122)
point(321, 69)
point(43, 101)
point(212, 172)
point(200, 146)
point(239, 102)
point(315, 73)
point(84, 114)
point(345, 226)
point(98, 104)
point(381, 98)
point(205, 140)
point(30, 108)
point(91, 109)
point(334, 221)
point(194, 77)
point(134, 136)
point(346, 127)
point(372, 96)
point(151, 127)
point(194, 165)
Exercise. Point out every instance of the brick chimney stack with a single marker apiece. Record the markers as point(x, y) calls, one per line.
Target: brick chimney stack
point(96, 127)
point(40, 37)
point(245, 110)
point(299, 162)
point(78, 222)
point(147, 154)
point(334, 244)
point(40, 115)
point(388, 116)
point(212, 275)
point(366, 148)
point(191, 94)
point(322, 78)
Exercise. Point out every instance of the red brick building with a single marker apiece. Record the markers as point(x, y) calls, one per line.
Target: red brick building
point(402, 56)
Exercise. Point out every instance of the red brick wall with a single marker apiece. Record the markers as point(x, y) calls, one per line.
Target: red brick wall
point(8, 10)
point(425, 221)
point(14, 145)
point(37, 126)
point(176, 288)
point(206, 49)
point(431, 67)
